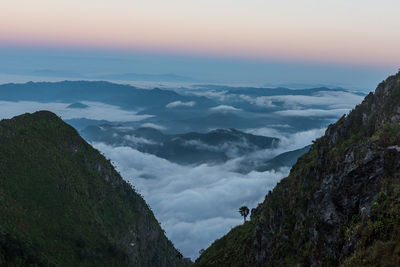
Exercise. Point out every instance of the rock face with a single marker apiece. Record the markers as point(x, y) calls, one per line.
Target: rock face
point(340, 203)
point(63, 204)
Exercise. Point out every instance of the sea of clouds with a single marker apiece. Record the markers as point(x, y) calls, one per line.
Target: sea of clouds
point(198, 204)
point(195, 205)
point(94, 111)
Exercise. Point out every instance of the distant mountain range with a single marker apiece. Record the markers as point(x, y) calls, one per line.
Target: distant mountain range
point(125, 96)
point(214, 147)
point(167, 77)
point(273, 91)
point(170, 77)
point(199, 110)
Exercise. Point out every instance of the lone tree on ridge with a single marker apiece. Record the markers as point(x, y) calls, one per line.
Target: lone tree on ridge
point(244, 211)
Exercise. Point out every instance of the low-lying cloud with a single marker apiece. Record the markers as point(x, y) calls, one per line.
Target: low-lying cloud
point(94, 111)
point(225, 108)
point(212, 94)
point(138, 140)
point(195, 204)
point(153, 125)
point(289, 141)
point(180, 104)
point(198, 204)
point(313, 112)
point(328, 99)
point(261, 101)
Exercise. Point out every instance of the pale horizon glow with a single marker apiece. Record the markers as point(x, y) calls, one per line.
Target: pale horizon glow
point(347, 32)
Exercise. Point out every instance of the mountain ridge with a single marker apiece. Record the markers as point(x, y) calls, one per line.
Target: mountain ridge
point(213, 147)
point(63, 203)
point(339, 204)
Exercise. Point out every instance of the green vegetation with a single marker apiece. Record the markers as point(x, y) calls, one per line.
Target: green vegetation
point(388, 135)
point(379, 234)
point(244, 211)
point(340, 205)
point(229, 250)
point(63, 204)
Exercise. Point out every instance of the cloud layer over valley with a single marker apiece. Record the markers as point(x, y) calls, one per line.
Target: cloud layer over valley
point(195, 201)
point(195, 205)
point(94, 111)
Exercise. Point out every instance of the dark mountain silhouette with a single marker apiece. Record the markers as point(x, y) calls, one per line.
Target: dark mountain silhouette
point(63, 204)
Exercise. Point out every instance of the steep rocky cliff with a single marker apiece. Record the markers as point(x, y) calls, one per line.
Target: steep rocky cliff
point(340, 205)
point(63, 204)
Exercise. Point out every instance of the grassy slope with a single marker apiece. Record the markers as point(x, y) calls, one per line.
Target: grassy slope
point(229, 250)
point(62, 203)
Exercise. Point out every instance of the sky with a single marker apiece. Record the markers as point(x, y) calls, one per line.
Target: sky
point(348, 43)
point(353, 43)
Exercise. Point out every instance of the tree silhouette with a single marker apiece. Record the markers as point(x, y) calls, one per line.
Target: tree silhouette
point(244, 211)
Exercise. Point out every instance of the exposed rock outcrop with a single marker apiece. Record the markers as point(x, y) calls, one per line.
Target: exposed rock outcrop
point(340, 203)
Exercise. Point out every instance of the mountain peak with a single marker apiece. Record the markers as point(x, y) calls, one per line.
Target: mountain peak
point(339, 205)
point(63, 203)
point(377, 109)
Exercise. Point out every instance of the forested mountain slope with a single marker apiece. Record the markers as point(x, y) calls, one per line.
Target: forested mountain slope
point(339, 205)
point(63, 204)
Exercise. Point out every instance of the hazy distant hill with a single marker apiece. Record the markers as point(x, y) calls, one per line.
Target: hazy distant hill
point(78, 105)
point(170, 77)
point(273, 91)
point(196, 109)
point(125, 96)
point(191, 148)
point(286, 159)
